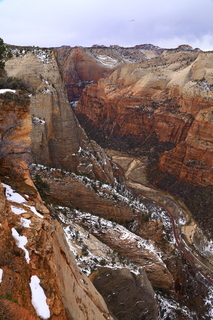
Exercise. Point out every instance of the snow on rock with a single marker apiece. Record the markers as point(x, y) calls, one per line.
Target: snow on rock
point(17, 210)
point(1, 274)
point(7, 90)
point(39, 298)
point(37, 120)
point(25, 222)
point(16, 197)
point(12, 195)
point(209, 303)
point(107, 60)
point(21, 241)
point(33, 209)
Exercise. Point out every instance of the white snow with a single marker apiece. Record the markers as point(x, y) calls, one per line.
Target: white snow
point(39, 298)
point(1, 273)
point(37, 120)
point(209, 303)
point(21, 241)
point(12, 195)
point(25, 222)
point(107, 60)
point(17, 210)
point(33, 209)
point(16, 197)
point(6, 90)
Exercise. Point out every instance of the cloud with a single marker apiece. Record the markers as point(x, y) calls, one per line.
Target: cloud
point(86, 22)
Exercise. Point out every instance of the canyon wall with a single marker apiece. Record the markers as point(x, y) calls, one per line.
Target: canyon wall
point(169, 99)
point(32, 242)
point(57, 138)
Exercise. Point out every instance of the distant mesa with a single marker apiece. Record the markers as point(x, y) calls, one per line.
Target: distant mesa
point(185, 47)
point(147, 47)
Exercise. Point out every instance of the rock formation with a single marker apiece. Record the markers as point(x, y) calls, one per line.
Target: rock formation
point(146, 94)
point(33, 243)
point(121, 285)
point(167, 98)
point(57, 139)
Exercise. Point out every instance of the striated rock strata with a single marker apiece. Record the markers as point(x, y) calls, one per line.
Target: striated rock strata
point(57, 137)
point(50, 259)
point(166, 99)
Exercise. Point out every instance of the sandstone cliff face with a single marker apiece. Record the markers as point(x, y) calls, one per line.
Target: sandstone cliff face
point(47, 256)
point(82, 66)
point(15, 131)
point(57, 138)
point(122, 285)
point(32, 243)
point(168, 97)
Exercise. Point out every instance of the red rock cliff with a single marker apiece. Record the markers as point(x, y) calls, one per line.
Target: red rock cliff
point(169, 96)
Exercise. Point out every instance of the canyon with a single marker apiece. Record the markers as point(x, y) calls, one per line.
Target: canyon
point(102, 241)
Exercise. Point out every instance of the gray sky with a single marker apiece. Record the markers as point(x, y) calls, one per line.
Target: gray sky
point(166, 23)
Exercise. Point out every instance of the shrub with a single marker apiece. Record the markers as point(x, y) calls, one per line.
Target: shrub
point(2, 52)
point(14, 83)
point(42, 186)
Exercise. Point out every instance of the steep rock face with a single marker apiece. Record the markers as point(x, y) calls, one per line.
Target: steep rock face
point(57, 137)
point(50, 259)
point(15, 128)
point(122, 285)
point(32, 243)
point(82, 66)
point(169, 99)
point(79, 67)
point(192, 159)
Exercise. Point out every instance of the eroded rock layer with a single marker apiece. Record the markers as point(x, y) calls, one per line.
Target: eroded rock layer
point(168, 98)
point(57, 138)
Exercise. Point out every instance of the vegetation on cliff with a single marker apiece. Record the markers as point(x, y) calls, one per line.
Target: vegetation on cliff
point(2, 52)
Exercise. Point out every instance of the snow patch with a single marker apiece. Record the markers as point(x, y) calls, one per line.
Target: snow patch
point(21, 241)
point(1, 274)
point(107, 60)
point(25, 222)
point(39, 298)
point(37, 120)
point(7, 90)
point(17, 210)
point(33, 209)
point(12, 195)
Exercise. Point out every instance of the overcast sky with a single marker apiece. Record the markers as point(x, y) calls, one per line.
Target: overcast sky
point(166, 23)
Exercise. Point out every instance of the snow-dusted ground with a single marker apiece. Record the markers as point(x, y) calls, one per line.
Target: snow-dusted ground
point(39, 298)
point(42, 54)
point(116, 193)
point(170, 309)
point(204, 247)
point(90, 253)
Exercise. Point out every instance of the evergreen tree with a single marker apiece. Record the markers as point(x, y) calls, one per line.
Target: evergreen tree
point(2, 52)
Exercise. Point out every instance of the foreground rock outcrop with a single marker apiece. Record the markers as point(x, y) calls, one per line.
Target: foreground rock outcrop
point(49, 258)
point(32, 243)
